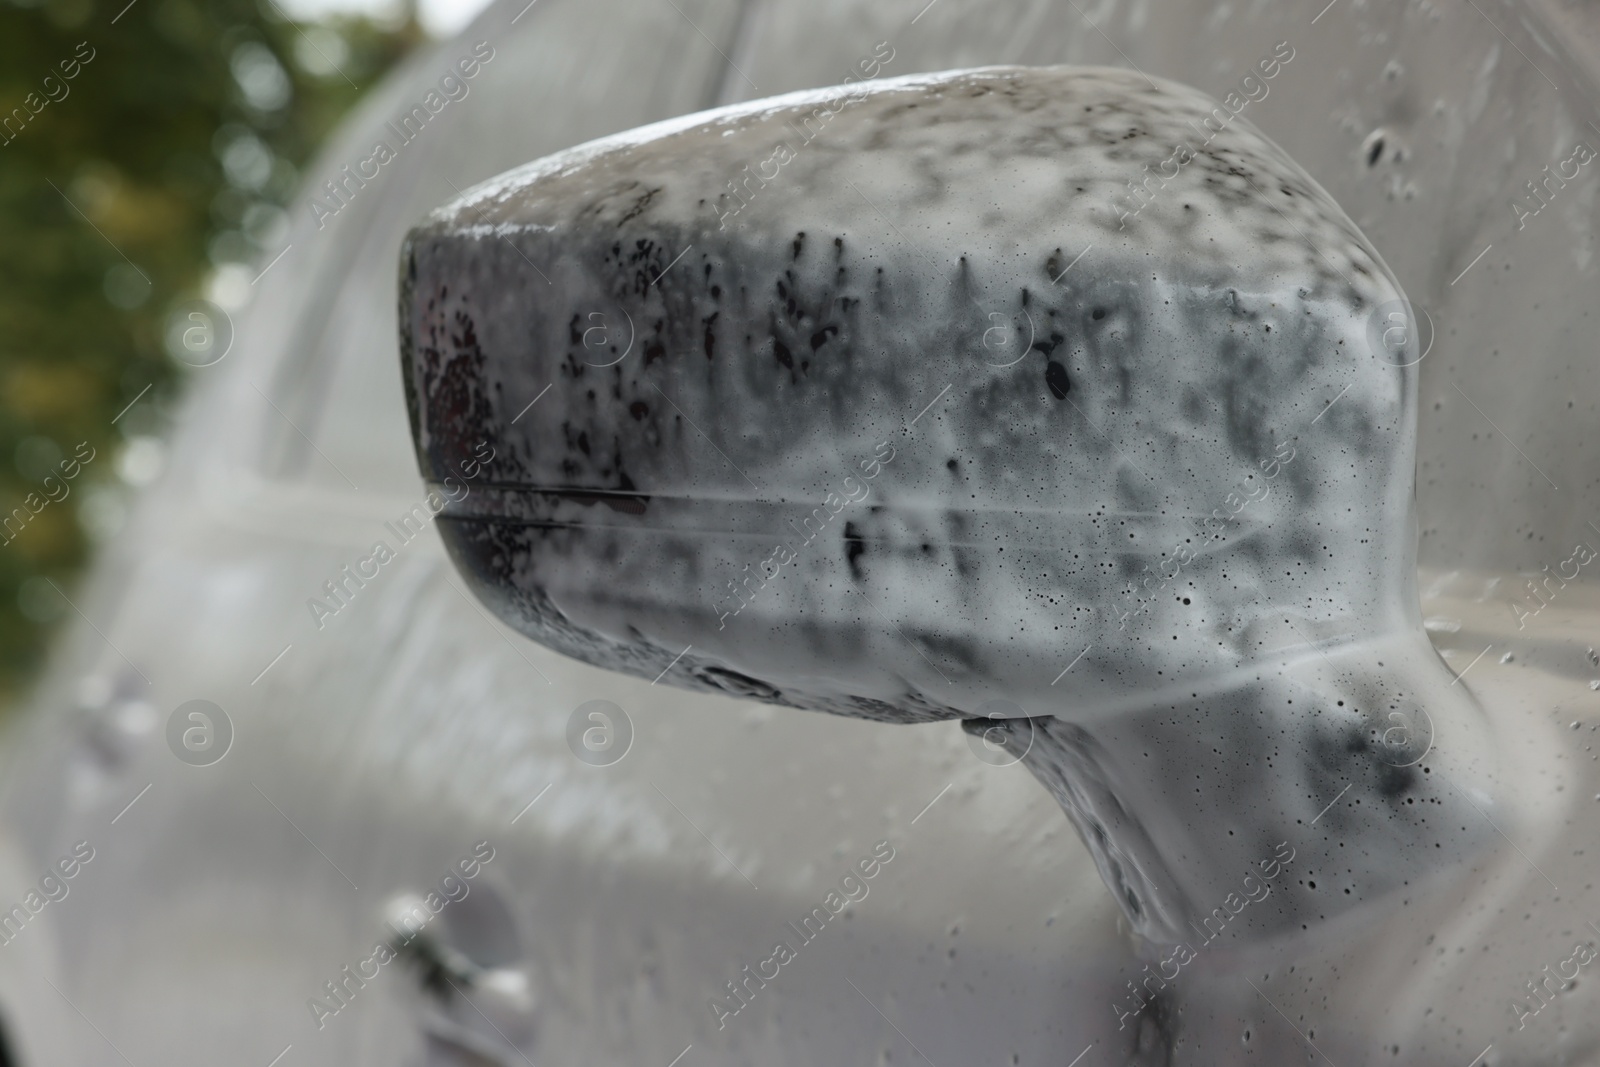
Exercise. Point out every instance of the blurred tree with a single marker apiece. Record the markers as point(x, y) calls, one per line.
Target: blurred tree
point(144, 146)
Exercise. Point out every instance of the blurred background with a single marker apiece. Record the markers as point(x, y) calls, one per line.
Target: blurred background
point(144, 162)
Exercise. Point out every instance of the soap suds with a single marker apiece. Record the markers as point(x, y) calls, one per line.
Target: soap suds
point(1157, 482)
point(1170, 363)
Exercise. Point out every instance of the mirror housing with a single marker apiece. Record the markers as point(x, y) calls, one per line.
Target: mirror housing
point(1057, 395)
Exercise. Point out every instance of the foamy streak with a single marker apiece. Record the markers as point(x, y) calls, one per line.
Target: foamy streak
point(1178, 800)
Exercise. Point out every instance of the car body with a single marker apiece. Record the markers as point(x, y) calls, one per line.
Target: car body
point(393, 743)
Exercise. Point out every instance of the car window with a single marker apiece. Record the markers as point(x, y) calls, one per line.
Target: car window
point(563, 73)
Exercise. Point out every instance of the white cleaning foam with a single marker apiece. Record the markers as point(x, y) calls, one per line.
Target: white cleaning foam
point(1051, 386)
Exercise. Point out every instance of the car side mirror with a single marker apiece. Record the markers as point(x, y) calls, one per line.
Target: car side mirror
point(1059, 396)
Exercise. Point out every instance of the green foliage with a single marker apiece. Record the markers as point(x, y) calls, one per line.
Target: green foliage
point(141, 147)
